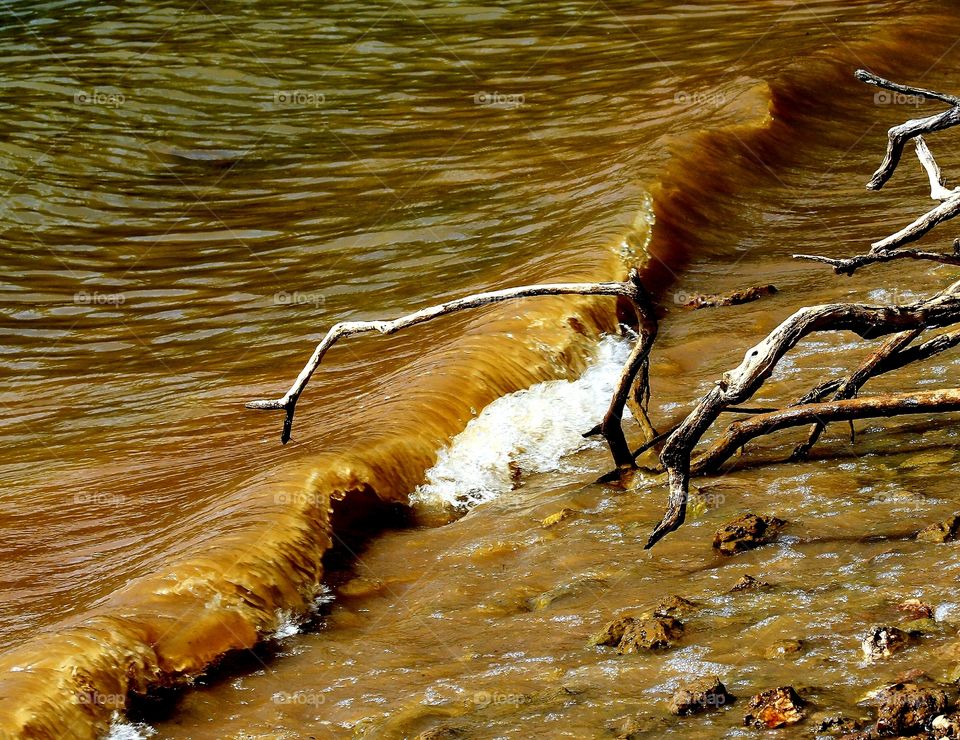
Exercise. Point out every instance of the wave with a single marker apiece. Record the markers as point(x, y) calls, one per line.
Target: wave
point(262, 566)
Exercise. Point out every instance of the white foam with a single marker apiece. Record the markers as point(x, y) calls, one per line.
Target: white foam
point(533, 430)
point(121, 730)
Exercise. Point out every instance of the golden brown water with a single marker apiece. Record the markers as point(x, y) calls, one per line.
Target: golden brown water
point(194, 193)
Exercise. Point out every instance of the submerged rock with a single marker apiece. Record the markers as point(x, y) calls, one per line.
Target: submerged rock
point(907, 708)
point(636, 726)
point(916, 608)
point(947, 531)
point(699, 696)
point(882, 642)
point(442, 733)
point(746, 532)
point(630, 635)
point(774, 708)
point(783, 648)
point(749, 583)
point(563, 591)
point(839, 724)
point(557, 517)
point(674, 606)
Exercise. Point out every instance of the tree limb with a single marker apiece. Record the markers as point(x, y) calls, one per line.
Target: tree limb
point(893, 404)
point(632, 289)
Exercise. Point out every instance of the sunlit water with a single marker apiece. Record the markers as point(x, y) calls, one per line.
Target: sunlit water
point(194, 193)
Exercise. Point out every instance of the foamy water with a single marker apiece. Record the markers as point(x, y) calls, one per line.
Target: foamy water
point(531, 431)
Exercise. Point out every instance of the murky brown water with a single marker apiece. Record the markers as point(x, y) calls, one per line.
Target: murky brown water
point(195, 192)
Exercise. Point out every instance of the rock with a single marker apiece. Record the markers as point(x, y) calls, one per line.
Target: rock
point(674, 606)
point(839, 725)
point(563, 591)
point(783, 648)
point(746, 532)
point(631, 635)
point(655, 633)
point(442, 733)
point(907, 708)
point(557, 517)
point(774, 708)
point(636, 726)
point(361, 586)
point(921, 627)
point(749, 583)
point(613, 632)
point(882, 642)
point(947, 531)
point(946, 725)
point(699, 696)
point(916, 608)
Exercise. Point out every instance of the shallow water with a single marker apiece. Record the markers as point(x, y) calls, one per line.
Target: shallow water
point(195, 193)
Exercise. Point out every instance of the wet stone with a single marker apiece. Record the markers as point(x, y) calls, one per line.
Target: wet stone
point(656, 633)
point(838, 725)
point(773, 708)
point(947, 531)
point(783, 649)
point(557, 517)
point(916, 608)
point(882, 642)
point(699, 696)
point(674, 606)
point(906, 708)
point(749, 583)
point(631, 635)
point(746, 532)
point(442, 733)
point(636, 726)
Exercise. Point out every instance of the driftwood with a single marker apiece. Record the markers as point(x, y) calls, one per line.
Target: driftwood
point(832, 400)
point(905, 322)
point(610, 427)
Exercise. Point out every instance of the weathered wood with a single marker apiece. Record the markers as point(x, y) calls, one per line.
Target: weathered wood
point(738, 385)
point(852, 385)
point(898, 136)
point(887, 405)
point(611, 427)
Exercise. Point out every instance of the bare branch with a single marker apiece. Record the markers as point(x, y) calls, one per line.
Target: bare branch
point(898, 136)
point(849, 265)
point(872, 79)
point(894, 404)
point(943, 212)
point(852, 385)
point(632, 289)
point(938, 186)
point(741, 383)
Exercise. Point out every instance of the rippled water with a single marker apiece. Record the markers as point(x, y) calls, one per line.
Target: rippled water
point(194, 193)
